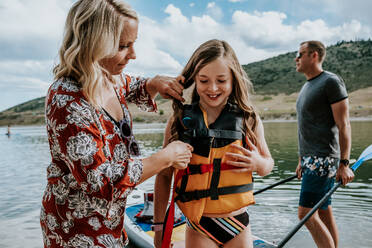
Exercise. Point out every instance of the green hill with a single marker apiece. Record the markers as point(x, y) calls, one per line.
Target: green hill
point(352, 60)
point(27, 113)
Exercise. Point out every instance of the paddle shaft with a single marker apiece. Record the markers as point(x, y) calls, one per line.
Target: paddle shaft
point(275, 184)
point(309, 214)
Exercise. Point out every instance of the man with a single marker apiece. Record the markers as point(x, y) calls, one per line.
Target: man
point(324, 135)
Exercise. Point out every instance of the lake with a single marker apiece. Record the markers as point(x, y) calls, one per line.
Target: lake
point(25, 156)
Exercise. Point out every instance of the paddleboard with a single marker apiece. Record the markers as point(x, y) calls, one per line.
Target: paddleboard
point(140, 233)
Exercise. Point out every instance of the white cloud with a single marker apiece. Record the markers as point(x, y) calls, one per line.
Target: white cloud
point(33, 25)
point(31, 33)
point(254, 36)
point(348, 10)
point(21, 81)
point(214, 11)
point(192, 4)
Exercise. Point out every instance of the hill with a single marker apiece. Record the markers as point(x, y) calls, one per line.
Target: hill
point(27, 113)
point(351, 60)
point(275, 81)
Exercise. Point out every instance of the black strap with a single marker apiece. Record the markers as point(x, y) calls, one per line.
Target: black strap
point(194, 169)
point(198, 194)
point(215, 178)
point(184, 180)
point(224, 134)
point(213, 133)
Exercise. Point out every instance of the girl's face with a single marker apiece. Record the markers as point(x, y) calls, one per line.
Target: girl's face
point(116, 64)
point(214, 84)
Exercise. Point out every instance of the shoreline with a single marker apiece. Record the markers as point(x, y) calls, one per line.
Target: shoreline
point(144, 123)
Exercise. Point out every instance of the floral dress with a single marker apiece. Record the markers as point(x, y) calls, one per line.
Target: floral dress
point(91, 172)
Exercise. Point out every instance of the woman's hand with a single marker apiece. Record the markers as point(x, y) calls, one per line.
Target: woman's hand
point(167, 87)
point(179, 153)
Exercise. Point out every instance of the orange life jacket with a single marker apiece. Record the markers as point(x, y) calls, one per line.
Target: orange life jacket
point(208, 185)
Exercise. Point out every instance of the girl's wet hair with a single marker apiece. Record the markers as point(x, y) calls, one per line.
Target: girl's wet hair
point(203, 55)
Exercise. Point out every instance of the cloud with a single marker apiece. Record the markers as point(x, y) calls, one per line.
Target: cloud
point(32, 32)
point(254, 35)
point(21, 81)
point(347, 10)
point(34, 27)
point(214, 11)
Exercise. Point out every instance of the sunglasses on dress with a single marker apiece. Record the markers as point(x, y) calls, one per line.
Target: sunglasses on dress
point(127, 134)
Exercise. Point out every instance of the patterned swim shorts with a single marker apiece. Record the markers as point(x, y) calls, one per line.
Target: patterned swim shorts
point(320, 166)
point(318, 177)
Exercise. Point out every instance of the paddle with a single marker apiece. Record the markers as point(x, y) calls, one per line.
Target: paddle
point(366, 155)
point(275, 184)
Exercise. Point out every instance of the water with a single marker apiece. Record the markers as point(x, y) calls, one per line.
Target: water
point(25, 156)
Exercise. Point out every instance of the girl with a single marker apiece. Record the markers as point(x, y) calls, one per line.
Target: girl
point(228, 140)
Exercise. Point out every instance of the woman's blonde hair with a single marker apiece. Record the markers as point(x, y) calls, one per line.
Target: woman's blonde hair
point(203, 55)
point(92, 32)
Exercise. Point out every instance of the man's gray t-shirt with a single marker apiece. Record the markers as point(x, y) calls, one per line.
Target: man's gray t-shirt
point(317, 131)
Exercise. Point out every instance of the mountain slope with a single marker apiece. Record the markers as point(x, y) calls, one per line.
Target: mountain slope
point(351, 60)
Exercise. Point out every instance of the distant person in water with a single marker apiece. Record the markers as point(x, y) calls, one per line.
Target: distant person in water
point(324, 137)
point(8, 130)
point(94, 155)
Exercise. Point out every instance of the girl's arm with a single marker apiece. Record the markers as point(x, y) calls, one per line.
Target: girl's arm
point(267, 163)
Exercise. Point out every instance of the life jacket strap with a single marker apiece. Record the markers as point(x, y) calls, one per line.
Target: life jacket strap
point(198, 194)
point(204, 168)
point(213, 133)
point(224, 134)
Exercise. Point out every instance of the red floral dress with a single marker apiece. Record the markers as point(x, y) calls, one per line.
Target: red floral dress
point(91, 172)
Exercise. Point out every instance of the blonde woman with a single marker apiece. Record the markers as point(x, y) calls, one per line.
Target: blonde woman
point(93, 167)
point(229, 145)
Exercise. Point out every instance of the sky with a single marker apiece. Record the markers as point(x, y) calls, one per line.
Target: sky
point(169, 31)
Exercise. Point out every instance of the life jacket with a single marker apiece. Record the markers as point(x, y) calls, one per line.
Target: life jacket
point(208, 185)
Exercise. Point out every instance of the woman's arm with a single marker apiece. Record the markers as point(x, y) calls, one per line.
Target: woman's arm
point(81, 144)
point(77, 143)
point(162, 190)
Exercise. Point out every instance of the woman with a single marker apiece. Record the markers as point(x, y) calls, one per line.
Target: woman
point(90, 129)
point(229, 145)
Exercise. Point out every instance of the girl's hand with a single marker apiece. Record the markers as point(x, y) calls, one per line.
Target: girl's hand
point(250, 159)
point(179, 153)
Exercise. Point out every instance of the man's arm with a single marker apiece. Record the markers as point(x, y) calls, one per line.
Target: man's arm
point(340, 112)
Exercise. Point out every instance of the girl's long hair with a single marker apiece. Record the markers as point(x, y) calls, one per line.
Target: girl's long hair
point(203, 55)
point(92, 32)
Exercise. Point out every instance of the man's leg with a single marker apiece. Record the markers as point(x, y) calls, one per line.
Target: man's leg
point(318, 230)
point(326, 215)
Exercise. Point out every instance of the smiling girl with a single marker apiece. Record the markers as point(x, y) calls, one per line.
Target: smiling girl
point(229, 145)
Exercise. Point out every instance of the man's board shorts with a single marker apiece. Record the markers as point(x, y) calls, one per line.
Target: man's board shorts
point(318, 177)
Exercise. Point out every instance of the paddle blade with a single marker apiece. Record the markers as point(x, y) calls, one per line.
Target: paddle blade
point(366, 155)
point(366, 152)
